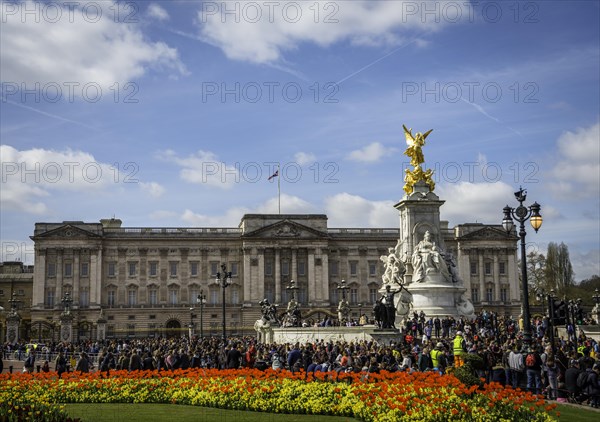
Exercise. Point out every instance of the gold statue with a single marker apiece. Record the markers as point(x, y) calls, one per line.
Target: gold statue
point(415, 152)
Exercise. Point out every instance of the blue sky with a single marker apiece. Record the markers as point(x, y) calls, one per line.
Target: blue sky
point(174, 113)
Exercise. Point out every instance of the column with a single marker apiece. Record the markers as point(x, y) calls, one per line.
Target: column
point(277, 276)
point(481, 272)
point(59, 277)
point(294, 269)
point(96, 277)
point(260, 277)
point(515, 286)
point(39, 278)
point(75, 294)
point(323, 292)
point(496, 271)
point(312, 288)
point(247, 278)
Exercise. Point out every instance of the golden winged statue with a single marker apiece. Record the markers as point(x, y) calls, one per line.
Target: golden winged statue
point(414, 151)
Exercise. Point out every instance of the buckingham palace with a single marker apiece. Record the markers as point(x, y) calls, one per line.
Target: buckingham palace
point(146, 281)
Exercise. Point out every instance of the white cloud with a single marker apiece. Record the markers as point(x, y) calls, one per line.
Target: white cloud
point(82, 45)
point(371, 153)
point(157, 12)
point(29, 175)
point(474, 202)
point(154, 189)
point(289, 205)
point(304, 158)
point(261, 33)
point(577, 169)
point(204, 167)
point(346, 210)
point(163, 215)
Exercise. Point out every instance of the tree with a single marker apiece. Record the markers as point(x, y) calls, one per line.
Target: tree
point(559, 271)
point(536, 270)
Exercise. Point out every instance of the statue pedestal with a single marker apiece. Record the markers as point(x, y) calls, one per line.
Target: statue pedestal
point(441, 299)
point(333, 334)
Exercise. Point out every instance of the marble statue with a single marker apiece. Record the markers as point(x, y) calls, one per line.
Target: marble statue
point(394, 266)
point(427, 259)
point(343, 311)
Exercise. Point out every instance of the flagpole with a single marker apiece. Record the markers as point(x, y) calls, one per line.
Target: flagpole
point(279, 187)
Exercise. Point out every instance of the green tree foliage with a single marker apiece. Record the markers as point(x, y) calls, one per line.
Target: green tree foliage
point(536, 270)
point(559, 271)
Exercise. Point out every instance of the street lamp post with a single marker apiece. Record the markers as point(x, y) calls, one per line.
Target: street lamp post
point(201, 300)
point(522, 214)
point(223, 280)
point(359, 313)
point(573, 308)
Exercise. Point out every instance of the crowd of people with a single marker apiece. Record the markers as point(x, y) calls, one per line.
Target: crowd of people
point(565, 371)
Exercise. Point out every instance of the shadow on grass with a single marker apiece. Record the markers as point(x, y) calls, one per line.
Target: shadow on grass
point(577, 414)
point(127, 412)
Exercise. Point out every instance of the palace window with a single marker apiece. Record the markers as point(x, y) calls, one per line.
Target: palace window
point(268, 268)
point(301, 268)
point(85, 269)
point(68, 269)
point(502, 268)
point(234, 269)
point(475, 295)
point(372, 295)
point(473, 267)
point(173, 296)
point(132, 269)
point(488, 268)
point(132, 297)
point(153, 270)
point(504, 294)
point(84, 297)
point(111, 297)
point(51, 271)
point(194, 269)
point(285, 267)
point(372, 269)
point(173, 269)
point(489, 294)
point(49, 297)
point(334, 268)
point(354, 296)
point(112, 269)
point(214, 268)
point(353, 267)
point(153, 297)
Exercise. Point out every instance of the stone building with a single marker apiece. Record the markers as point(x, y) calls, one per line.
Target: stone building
point(146, 281)
point(16, 284)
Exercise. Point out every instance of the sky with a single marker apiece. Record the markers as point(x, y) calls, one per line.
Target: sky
point(175, 114)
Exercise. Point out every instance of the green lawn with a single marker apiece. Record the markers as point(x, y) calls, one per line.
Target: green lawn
point(176, 413)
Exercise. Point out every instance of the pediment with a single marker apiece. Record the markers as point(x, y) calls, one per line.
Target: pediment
point(67, 232)
point(487, 233)
point(286, 229)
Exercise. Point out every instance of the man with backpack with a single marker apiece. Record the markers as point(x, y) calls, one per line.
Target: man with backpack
point(533, 365)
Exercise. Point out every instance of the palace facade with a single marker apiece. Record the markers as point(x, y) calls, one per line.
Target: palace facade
point(146, 281)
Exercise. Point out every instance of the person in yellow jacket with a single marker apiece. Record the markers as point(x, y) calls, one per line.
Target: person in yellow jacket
point(459, 348)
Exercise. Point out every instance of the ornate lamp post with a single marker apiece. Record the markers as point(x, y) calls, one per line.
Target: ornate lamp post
point(223, 280)
point(201, 300)
point(522, 214)
point(596, 310)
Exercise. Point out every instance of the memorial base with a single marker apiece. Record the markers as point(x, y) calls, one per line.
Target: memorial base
point(333, 334)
